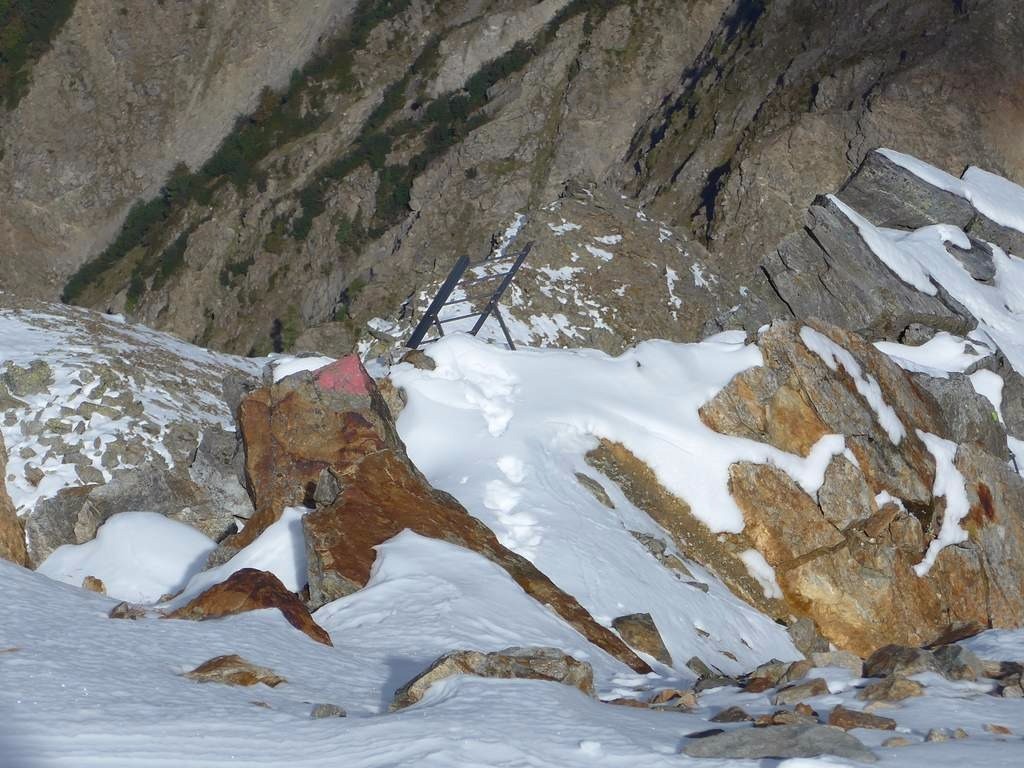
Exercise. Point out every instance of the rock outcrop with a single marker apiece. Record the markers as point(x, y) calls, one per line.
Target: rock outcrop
point(510, 664)
point(876, 514)
point(252, 590)
point(326, 439)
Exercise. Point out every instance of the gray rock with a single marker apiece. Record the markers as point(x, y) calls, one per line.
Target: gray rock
point(327, 488)
point(827, 271)
point(806, 637)
point(323, 711)
point(977, 260)
point(539, 663)
point(958, 663)
point(794, 694)
point(216, 466)
point(899, 660)
point(74, 514)
point(641, 633)
point(887, 195)
point(983, 228)
point(781, 742)
point(235, 386)
point(34, 379)
point(969, 416)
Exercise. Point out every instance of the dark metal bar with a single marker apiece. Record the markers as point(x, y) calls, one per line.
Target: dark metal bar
point(504, 329)
point(435, 306)
point(496, 296)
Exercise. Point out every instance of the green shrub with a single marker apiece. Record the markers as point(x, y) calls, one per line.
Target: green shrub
point(27, 28)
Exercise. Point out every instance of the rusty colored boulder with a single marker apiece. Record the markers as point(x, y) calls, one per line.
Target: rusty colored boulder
point(510, 664)
point(234, 670)
point(848, 719)
point(251, 590)
point(301, 425)
point(12, 534)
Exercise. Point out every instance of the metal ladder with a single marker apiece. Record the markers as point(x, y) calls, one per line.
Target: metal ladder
point(454, 280)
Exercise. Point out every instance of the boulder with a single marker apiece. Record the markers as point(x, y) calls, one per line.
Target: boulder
point(512, 663)
point(891, 689)
point(805, 716)
point(954, 662)
point(888, 195)
point(234, 670)
point(12, 534)
point(334, 419)
point(641, 633)
point(794, 694)
point(848, 719)
point(899, 660)
point(305, 423)
point(251, 590)
point(781, 742)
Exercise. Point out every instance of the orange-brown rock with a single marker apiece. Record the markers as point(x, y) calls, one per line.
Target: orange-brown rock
point(383, 495)
point(251, 590)
point(510, 664)
point(93, 584)
point(333, 425)
point(847, 719)
point(307, 422)
point(12, 534)
point(841, 558)
point(234, 670)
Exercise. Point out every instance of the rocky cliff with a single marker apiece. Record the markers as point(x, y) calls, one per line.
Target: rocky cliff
point(424, 128)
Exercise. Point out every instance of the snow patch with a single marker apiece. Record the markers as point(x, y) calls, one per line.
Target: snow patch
point(950, 484)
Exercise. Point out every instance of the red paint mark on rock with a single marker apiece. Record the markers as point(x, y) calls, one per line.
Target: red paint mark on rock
point(345, 375)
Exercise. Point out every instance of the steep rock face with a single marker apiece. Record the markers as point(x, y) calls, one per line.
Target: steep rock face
point(327, 439)
point(328, 236)
point(127, 92)
point(787, 98)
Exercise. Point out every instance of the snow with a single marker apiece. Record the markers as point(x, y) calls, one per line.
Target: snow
point(989, 385)
point(506, 433)
point(991, 195)
point(287, 366)
point(833, 356)
point(950, 484)
point(599, 253)
point(762, 573)
point(920, 259)
point(280, 549)
point(671, 278)
point(565, 226)
point(941, 355)
point(139, 557)
point(608, 239)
